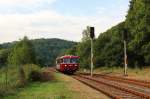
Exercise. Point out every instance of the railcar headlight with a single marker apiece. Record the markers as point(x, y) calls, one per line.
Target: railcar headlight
point(75, 65)
point(65, 65)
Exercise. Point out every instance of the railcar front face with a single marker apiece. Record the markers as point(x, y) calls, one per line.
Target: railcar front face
point(70, 65)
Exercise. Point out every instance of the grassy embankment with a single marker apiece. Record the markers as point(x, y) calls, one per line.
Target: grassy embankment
point(8, 81)
point(64, 87)
point(9, 78)
point(56, 89)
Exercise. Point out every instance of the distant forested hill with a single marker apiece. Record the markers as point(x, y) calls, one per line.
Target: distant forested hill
point(46, 50)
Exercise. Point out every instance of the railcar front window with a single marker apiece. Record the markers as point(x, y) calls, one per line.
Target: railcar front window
point(66, 60)
point(74, 60)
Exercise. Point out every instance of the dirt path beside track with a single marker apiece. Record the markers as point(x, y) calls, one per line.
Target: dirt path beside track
point(84, 91)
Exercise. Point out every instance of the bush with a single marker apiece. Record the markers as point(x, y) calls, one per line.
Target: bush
point(35, 75)
point(13, 76)
point(41, 76)
point(47, 76)
point(31, 72)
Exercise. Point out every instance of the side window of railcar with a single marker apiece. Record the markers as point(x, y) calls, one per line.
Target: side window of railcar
point(61, 61)
point(58, 61)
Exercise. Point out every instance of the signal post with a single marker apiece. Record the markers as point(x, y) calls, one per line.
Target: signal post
point(92, 35)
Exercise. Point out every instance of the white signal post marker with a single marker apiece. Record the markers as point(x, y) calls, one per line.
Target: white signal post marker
point(125, 52)
point(125, 59)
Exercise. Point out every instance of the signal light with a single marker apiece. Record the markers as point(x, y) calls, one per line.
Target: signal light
point(92, 35)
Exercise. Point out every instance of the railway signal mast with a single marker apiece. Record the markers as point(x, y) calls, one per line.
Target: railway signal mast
point(92, 35)
point(125, 52)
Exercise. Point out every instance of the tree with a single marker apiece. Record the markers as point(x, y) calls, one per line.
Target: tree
point(86, 34)
point(72, 51)
point(46, 50)
point(22, 53)
point(3, 56)
point(108, 47)
point(138, 24)
point(83, 50)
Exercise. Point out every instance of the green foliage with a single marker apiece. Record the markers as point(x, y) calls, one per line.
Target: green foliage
point(84, 50)
point(57, 89)
point(138, 24)
point(71, 51)
point(13, 82)
point(86, 34)
point(41, 75)
point(35, 76)
point(109, 47)
point(28, 68)
point(3, 56)
point(47, 50)
point(22, 53)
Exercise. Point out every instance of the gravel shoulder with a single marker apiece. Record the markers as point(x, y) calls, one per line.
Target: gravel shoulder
point(85, 92)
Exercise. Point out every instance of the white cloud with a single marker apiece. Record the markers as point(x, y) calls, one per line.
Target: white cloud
point(51, 24)
point(22, 2)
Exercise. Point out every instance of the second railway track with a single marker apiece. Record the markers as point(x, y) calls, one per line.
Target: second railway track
point(114, 89)
point(123, 80)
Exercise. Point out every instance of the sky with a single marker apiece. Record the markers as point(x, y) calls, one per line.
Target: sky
point(64, 19)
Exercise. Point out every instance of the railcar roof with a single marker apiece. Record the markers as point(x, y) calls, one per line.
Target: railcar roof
point(70, 56)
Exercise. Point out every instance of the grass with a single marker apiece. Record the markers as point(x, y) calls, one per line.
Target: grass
point(60, 88)
point(7, 88)
point(121, 70)
point(12, 79)
point(47, 90)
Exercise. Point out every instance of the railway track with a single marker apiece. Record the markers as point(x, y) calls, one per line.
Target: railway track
point(114, 88)
point(141, 83)
point(127, 80)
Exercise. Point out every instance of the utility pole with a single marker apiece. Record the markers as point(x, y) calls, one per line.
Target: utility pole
point(92, 35)
point(125, 58)
point(125, 52)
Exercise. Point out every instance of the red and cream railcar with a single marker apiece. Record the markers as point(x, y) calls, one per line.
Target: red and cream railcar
point(67, 64)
